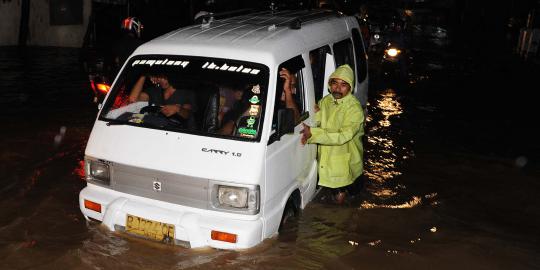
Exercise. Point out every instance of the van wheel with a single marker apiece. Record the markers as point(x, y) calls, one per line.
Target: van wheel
point(289, 220)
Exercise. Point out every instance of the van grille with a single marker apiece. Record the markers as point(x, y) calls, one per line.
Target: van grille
point(152, 184)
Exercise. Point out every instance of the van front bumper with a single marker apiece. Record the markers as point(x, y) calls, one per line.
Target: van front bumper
point(193, 226)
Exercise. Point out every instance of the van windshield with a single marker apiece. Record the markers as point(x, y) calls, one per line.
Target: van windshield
point(207, 96)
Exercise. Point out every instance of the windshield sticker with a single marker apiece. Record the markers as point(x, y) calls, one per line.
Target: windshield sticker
point(165, 62)
point(226, 67)
point(247, 136)
point(256, 89)
point(247, 131)
point(251, 121)
point(254, 110)
point(254, 100)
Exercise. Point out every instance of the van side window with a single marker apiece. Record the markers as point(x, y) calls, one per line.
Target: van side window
point(317, 58)
point(343, 53)
point(292, 68)
point(361, 57)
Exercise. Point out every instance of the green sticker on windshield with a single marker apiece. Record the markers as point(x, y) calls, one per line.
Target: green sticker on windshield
point(250, 122)
point(247, 131)
point(254, 100)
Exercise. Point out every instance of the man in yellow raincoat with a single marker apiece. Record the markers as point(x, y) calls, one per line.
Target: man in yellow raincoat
point(338, 132)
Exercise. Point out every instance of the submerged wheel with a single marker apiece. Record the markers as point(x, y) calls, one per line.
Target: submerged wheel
point(290, 214)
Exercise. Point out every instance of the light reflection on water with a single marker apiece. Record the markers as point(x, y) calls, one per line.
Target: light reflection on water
point(384, 155)
point(415, 201)
point(389, 106)
point(381, 163)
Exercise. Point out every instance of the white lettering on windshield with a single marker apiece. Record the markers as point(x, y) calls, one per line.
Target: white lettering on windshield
point(207, 65)
point(151, 62)
point(225, 67)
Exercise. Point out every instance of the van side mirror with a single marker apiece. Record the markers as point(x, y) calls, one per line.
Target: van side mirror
point(285, 123)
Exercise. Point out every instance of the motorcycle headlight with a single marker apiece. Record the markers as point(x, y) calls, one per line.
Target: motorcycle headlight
point(393, 52)
point(98, 171)
point(243, 199)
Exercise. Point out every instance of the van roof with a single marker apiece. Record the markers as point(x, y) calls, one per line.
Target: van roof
point(252, 36)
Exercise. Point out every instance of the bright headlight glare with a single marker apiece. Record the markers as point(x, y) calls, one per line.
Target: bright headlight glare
point(98, 171)
point(376, 36)
point(392, 52)
point(233, 196)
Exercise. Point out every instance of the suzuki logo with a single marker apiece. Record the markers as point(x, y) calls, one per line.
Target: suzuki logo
point(157, 186)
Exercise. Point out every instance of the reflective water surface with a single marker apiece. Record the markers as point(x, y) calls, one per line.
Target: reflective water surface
point(443, 190)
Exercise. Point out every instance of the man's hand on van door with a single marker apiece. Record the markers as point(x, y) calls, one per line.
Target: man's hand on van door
point(306, 134)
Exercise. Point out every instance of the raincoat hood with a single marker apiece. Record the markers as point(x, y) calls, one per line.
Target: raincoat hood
point(345, 73)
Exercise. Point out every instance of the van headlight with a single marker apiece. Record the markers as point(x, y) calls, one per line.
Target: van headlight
point(243, 199)
point(98, 171)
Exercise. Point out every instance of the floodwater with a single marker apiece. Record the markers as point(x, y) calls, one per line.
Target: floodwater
point(452, 170)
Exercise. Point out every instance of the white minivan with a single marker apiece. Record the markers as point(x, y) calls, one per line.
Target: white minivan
point(189, 182)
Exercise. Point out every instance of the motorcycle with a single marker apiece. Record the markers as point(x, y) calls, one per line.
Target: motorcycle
point(100, 86)
point(393, 65)
point(99, 82)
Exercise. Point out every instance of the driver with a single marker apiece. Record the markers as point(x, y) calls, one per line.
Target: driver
point(176, 104)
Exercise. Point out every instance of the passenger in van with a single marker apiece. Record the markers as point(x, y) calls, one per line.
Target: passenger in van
point(233, 108)
point(177, 105)
point(288, 96)
point(242, 119)
point(229, 96)
point(339, 129)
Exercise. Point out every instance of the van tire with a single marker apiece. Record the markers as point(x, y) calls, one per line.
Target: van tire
point(289, 218)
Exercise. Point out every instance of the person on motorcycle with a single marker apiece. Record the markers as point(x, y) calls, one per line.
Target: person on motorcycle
point(363, 21)
point(123, 47)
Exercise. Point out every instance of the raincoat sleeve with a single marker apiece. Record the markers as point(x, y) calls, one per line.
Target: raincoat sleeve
point(352, 124)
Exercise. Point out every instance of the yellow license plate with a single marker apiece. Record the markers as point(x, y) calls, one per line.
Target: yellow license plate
point(150, 229)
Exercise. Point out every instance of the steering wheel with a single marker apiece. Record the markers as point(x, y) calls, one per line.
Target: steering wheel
point(151, 109)
point(155, 117)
